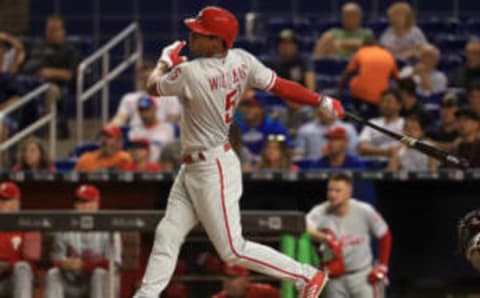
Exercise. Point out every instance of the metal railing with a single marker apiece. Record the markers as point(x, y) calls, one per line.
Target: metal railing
point(107, 75)
point(49, 118)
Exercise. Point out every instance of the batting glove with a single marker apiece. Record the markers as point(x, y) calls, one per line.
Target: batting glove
point(378, 273)
point(332, 106)
point(171, 54)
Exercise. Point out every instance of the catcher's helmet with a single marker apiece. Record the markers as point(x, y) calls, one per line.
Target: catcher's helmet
point(217, 22)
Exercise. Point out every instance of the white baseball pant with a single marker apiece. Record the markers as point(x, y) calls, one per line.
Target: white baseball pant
point(209, 192)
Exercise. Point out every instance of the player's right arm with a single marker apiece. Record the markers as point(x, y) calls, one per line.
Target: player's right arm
point(312, 223)
point(170, 57)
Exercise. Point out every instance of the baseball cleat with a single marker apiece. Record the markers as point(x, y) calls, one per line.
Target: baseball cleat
point(315, 286)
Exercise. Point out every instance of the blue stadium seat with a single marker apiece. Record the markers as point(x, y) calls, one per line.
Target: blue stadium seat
point(435, 25)
point(451, 43)
point(450, 62)
point(303, 164)
point(377, 25)
point(256, 46)
point(473, 25)
point(65, 165)
point(323, 25)
point(81, 149)
point(330, 66)
point(327, 82)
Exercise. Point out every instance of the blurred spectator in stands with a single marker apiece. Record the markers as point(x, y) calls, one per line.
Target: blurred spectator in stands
point(408, 159)
point(468, 144)
point(444, 132)
point(473, 97)
point(237, 284)
point(292, 115)
point(157, 131)
point(32, 156)
point(290, 64)
point(275, 155)
point(257, 126)
point(375, 144)
point(140, 153)
point(403, 38)
point(12, 53)
point(168, 107)
point(53, 59)
point(425, 73)
point(109, 156)
point(81, 259)
point(372, 68)
point(18, 250)
point(170, 158)
point(235, 138)
point(311, 142)
point(468, 74)
point(346, 40)
point(411, 104)
point(337, 156)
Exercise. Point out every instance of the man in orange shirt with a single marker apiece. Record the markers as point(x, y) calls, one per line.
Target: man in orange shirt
point(372, 67)
point(110, 154)
point(18, 250)
point(238, 285)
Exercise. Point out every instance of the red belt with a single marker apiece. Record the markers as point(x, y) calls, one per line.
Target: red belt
point(189, 158)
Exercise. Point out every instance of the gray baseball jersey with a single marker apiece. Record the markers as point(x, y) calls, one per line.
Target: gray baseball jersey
point(209, 191)
point(353, 230)
point(209, 90)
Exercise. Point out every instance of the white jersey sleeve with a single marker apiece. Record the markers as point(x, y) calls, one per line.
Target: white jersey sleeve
point(376, 224)
point(259, 76)
point(366, 135)
point(315, 217)
point(177, 82)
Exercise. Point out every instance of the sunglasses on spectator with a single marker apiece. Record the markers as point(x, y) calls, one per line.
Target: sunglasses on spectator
point(278, 138)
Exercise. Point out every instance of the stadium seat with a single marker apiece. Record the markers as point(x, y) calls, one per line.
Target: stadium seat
point(65, 164)
point(451, 43)
point(330, 66)
point(323, 25)
point(256, 46)
point(303, 164)
point(450, 62)
point(377, 25)
point(327, 82)
point(81, 149)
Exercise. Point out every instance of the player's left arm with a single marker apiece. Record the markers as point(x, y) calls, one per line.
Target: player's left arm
point(170, 57)
point(379, 228)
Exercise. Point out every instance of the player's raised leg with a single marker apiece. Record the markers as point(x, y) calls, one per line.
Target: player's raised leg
point(170, 234)
point(215, 195)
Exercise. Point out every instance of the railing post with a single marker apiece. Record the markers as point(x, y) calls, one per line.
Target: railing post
point(80, 82)
point(53, 130)
point(105, 89)
point(139, 48)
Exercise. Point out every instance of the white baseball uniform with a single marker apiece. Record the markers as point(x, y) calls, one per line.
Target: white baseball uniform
point(353, 231)
point(208, 190)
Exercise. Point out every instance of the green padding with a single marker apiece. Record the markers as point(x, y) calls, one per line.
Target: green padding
point(307, 253)
point(288, 247)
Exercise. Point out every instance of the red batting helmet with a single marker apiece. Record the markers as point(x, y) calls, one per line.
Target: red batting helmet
point(87, 192)
point(215, 21)
point(9, 191)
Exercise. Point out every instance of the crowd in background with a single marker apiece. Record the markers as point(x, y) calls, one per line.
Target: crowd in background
point(387, 79)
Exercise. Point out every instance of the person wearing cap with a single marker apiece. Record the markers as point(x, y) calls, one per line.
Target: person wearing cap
point(336, 153)
point(444, 132)
point(168, 107)
point(290, 64)
point(346, 40)
point(159, 133)
point(311, 141)
point(408, 159)
point(110, 154)
point(80, 259)
point(411, 105)
point(257, 127)
point(237, 284)
point(18, 250)
point(140, 152)
point(468, 143)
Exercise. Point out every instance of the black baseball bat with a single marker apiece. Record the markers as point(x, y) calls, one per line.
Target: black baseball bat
point(415, 144)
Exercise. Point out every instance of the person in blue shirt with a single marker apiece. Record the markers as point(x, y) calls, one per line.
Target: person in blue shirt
point(337, 156)
point(256, 127)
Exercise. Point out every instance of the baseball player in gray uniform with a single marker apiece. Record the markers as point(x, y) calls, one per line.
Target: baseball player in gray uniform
point(344, 226)
point(81, 258)
point(208, 186)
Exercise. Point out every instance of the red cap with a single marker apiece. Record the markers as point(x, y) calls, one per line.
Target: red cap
point(10, 191)
point(215, 21)
point(238, 271)
point(87, 192)
point(112, 131)
point(336, 132)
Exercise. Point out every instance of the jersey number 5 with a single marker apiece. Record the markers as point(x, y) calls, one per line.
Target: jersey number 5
point(230, 105)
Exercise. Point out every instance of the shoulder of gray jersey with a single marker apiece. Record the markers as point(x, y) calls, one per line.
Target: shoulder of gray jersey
point(363, 207)
point(319, 209)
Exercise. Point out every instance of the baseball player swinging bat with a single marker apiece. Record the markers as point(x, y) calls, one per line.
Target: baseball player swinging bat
point(415, 144)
